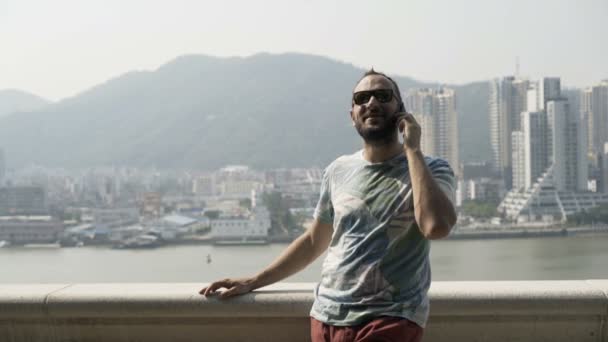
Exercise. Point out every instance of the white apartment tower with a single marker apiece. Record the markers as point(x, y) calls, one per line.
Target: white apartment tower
point(568, 146)
point(598, 116)
point(508, 99)
point(535, 149)
point(585, 108)
point(2, 166)
point(518, 160)
point(531, 153)
point(435, 110)
point(550, 90)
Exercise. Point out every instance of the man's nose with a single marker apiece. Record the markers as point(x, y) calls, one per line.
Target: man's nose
point(372, 99)
point(373, 102)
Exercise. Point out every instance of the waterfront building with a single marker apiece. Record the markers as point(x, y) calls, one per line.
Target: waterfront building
point(242, 229)
point(23, 200)
point(25, 229)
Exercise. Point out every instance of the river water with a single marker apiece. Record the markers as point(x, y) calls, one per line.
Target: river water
point(565, 258)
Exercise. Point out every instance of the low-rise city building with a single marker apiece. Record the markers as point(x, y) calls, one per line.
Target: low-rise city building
point(30, 229)
point(544, 201)
point(243, 229)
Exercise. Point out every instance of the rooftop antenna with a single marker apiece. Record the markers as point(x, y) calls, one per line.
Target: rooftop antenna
point(517, 66)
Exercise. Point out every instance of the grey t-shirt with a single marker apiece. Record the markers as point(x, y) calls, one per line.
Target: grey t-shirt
point(378, 260)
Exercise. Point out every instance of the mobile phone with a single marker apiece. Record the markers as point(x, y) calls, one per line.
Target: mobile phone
point(400, 133)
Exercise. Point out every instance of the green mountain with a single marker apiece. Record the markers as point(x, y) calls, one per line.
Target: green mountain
point(197, 111)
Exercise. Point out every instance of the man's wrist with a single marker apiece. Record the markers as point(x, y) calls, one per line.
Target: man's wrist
point(257, 281)
point(411, 151)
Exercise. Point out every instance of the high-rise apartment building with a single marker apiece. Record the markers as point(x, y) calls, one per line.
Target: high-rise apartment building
point(550, 90)
point(585, 109)
point(531, 152)
point(568, 146)
point(2, 167)
point(535, 149)
point(602, 181)
point(508, 99)
point(597, 99)
point(518, 165)
point(435, 111)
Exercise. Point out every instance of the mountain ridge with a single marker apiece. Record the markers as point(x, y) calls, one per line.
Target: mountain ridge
point(16, 101)
point(199, 111)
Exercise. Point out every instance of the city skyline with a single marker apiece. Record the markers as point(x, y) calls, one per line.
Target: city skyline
point(520, 95)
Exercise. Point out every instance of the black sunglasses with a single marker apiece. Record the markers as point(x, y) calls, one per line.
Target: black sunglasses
point(382, 95)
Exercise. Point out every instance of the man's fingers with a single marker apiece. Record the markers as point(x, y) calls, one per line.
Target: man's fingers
point(410, 118)
point(233, 287)
point(405, 120)
point(401, 124)
point(214, 286)
point(229, 293)
point(402, 121)
point(208, 290)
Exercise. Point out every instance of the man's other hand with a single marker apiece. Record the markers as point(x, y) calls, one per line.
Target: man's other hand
point(233, 287)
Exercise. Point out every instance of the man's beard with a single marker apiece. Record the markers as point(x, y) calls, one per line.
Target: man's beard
point(384, 134)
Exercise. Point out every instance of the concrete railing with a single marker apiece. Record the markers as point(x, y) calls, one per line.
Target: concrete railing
point(460, 311)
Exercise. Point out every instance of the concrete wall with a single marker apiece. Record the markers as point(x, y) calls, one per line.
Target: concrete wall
point(460, 311)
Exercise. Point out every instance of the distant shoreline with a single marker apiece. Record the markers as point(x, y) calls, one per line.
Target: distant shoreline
point(485, 233)
point(527, 232)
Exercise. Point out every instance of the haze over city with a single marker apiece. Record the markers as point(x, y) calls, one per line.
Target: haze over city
point(158, 157)
point(58, 49)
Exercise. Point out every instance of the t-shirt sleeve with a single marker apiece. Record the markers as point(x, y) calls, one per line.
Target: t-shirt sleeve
point(444, 177)
point(324, 212)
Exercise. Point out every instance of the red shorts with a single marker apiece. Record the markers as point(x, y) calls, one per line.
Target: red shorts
point(380, 329)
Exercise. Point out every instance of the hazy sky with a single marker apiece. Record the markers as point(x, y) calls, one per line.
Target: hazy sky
point(58, 48)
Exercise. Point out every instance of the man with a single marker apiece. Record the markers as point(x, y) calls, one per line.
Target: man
point(377, 210)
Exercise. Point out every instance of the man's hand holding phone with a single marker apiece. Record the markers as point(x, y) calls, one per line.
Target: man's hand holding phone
point(410, 130)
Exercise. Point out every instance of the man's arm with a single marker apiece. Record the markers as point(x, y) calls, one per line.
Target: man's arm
point(299, 254)
point(433, 210)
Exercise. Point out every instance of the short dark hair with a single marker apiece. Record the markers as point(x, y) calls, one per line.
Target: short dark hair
point(372, 72)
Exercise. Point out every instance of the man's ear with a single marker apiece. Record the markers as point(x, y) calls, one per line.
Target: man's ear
point(352, 119)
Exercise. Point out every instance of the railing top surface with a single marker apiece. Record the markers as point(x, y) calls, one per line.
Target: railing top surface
point(580, 297)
